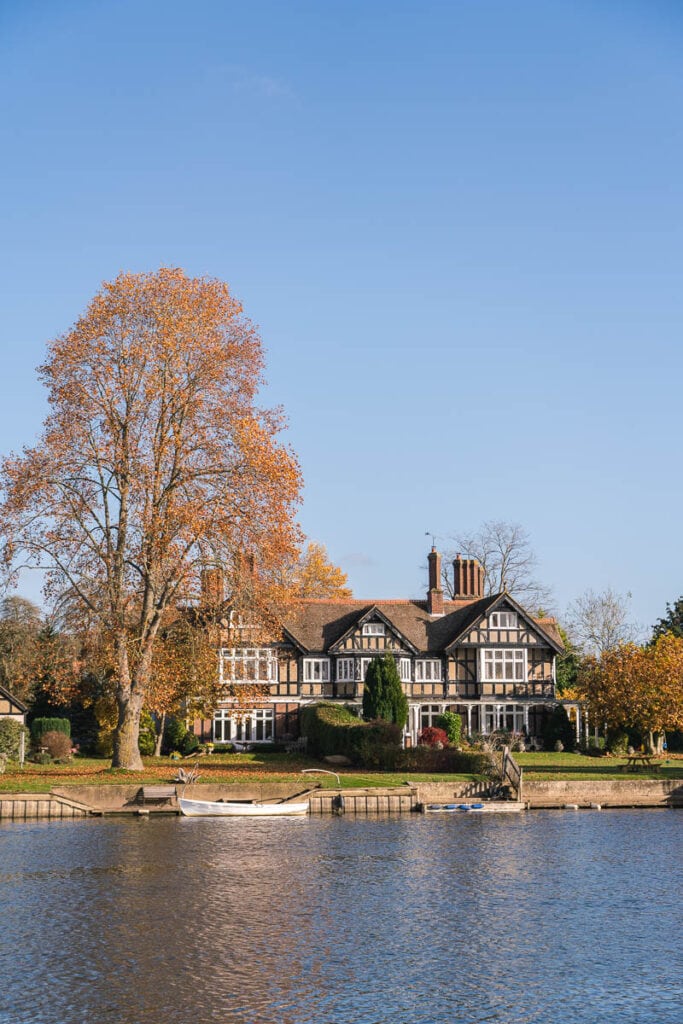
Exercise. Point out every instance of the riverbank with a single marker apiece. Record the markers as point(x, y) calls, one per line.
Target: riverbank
point(132, 799)
point(269, 768)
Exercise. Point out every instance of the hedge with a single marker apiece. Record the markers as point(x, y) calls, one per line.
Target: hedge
point(334, 730)
point(331, 729)
point(39, 726)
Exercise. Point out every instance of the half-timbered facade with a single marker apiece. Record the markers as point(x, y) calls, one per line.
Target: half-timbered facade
point(485, 658)
point(11, 707)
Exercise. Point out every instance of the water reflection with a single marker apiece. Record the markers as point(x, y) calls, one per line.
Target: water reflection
point(526, 918)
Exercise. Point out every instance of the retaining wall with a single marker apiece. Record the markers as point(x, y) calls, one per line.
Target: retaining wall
point(610, 793)
point(21, 806)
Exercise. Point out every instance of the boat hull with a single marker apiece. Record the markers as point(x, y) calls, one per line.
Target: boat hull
point(219, 809)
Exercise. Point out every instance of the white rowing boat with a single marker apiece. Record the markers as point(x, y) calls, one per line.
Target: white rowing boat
point(231, 808)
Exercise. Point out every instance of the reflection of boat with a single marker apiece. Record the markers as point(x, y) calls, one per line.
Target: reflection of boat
point(232, 808)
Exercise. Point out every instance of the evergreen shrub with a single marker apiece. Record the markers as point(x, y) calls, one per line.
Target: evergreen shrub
point(146, 735)
point(175, 731)
point(383, 695)
point(331, 729)
point(39, 726)
point(451, 723)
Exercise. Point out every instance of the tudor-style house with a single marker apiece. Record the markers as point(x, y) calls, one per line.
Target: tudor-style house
point(485, 658)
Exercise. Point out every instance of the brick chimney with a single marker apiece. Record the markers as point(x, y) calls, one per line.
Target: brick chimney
point(468, 578)
point(435, 593)
point(213, 586)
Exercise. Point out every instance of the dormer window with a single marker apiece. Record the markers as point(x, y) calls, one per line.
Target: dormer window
point(503, 620)
point(373, 629)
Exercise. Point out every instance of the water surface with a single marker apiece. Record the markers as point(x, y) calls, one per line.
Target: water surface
point(540, 917)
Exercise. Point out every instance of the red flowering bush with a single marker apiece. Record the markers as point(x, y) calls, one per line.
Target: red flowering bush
point(433, 737)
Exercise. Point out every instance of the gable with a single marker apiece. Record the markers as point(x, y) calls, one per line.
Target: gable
point(373, 632)
point(504, 622)
point(11, 706)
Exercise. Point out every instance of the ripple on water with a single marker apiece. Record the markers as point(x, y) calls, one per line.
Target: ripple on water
point(528, 919)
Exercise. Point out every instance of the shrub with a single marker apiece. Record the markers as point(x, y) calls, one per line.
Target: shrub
point(331, 729)
point(42, 757)
point(175, 731)
point(3, 762)
point(451, 723)
point(189, 744)
point(430, 759)
point(39, 726)
point(147, 735)
point(617, 741)
point(10, 738)
point(57, 744)
point(433, 737)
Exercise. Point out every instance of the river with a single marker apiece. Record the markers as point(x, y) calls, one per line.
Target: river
point(549, 916)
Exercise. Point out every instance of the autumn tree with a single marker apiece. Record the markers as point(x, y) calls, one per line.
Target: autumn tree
point(315, 576)
point(21, 623)
point(636, 687)
point(154, 460)
point(505, 554)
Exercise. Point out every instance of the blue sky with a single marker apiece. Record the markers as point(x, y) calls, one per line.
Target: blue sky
point(457, 225)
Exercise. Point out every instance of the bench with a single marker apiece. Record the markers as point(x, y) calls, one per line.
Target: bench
point(163, 793)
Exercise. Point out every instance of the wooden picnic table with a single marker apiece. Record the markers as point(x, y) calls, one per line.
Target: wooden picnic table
point(641, 762)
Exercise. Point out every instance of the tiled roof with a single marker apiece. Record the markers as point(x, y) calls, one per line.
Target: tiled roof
point(318, 625)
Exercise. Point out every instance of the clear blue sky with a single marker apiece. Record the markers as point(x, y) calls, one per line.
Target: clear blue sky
point(457, 224)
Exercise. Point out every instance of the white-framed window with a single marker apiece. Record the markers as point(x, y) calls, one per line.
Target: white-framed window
point(428, 670)
point(404, 670)
point(429, 714)
point(503, 664)
point(248, 665)
point(503, 620)
point(345, 670)
point(373, 629)
point(252, 726)
point(364, 664)
point(316, 670)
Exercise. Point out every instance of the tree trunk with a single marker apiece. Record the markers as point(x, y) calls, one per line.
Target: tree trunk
point(161, 725)
point(126, 752)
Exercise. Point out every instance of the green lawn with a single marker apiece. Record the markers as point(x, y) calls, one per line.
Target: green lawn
point(270, 767)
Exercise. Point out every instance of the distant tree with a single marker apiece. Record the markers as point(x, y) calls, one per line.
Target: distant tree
point(567, 666)
point(383, 695)
point(154, 460)
point(636, 687)
point(599, 622)
point(315, 576)
point(672, 621)
point(504, 552)
point(21, 622)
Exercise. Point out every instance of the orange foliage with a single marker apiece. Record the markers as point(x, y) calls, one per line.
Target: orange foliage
point(636, 686)
point(154, 461)
point(316, 577)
